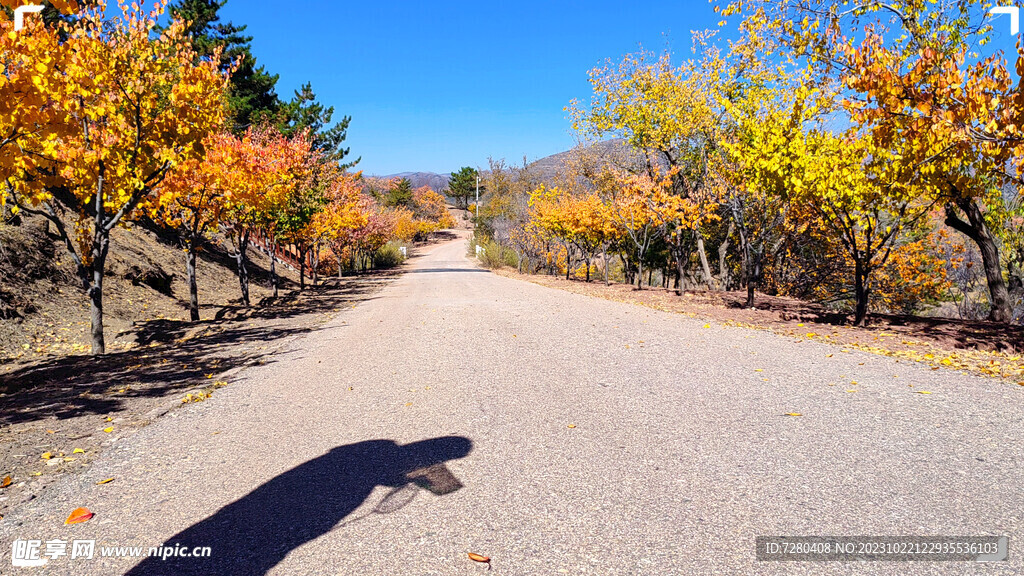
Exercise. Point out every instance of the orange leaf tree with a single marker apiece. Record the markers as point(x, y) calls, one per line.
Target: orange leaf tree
point(197, 196)
point(131, 105)
point(272, 164)
point(343, 212)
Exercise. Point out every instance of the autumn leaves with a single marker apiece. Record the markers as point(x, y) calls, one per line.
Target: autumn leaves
point(104, 121)
point(821, 153)
point(97, 115)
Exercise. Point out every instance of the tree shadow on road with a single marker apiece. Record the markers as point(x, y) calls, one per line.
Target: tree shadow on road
point(255, 533)
point(171, 355)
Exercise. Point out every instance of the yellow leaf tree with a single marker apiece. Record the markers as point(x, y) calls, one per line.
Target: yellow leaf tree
point(924, 78)
point(132, 105)
point(672, 115)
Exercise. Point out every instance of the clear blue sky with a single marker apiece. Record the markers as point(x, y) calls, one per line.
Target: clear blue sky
point(432, 86)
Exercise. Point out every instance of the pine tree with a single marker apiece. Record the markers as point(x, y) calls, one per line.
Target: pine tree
point(462, 186)
point(303, 112)
point(252, 95)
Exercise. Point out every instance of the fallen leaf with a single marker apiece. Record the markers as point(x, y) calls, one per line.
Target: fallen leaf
point(54, 431)
point(107, 481)
point(108, 429)
point(922, 392)
point(79, 515)
point(6, 482)
point(758, 369)
point(109, 419)
point(479, 558)
point(37, 473)
point(707, 325)
point(571, 426)
point(793, 414)
point(46, 456)
point(78, 451)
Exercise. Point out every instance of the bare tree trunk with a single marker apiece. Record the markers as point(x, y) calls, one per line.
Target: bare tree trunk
point(681, 260)
point(627, 272)
point(977, 230)
point(193, 288)
point(723, 252)
point(243, 270)
point(302, 269)
point(100, 246)
point(706, 268)
point(861, 294)
point(96, 297)
point(316, 263)
point(273, 265)
point(604, 258)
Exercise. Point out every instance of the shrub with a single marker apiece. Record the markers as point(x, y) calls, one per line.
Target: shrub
point(492, 255)
point(388, 256)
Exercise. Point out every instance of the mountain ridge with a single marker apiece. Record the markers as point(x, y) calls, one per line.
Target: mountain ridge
point(545, 168)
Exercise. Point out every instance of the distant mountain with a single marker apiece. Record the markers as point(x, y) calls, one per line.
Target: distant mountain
point(547, 167)
point(436, 182)
point(544, 169)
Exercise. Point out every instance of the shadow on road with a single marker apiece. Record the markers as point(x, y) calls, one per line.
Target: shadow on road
point(172, 355)
point(442, 270)
point(253, 534)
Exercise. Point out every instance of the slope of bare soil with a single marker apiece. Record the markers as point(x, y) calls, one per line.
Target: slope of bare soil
point(60, 406)
point(45, 312)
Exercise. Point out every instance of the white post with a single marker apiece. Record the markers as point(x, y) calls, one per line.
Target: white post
point(477, 198)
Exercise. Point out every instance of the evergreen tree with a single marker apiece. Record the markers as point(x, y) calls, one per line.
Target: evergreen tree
point(400, 195)
point(462, 186)
point(252, 97)
point(304, 112)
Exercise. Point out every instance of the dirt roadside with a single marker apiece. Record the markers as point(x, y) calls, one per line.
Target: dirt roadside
point(983, 348)
point(59, 413)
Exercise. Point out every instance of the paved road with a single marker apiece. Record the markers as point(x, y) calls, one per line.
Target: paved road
point(588, 437)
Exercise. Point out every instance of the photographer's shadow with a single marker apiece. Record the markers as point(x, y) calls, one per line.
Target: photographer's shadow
point(253, 534)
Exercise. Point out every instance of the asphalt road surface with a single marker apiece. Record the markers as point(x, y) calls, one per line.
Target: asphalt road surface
point(554, 433)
